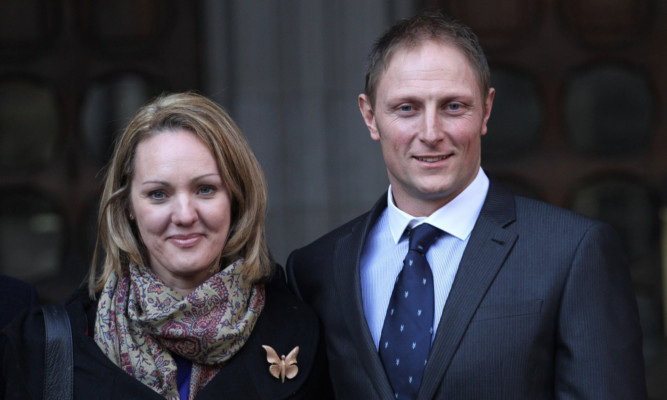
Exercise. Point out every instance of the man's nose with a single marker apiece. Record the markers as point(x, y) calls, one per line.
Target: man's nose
point(433, 127)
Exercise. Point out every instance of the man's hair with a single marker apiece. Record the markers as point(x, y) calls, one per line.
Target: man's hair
point(118, 238)
point(412, 32)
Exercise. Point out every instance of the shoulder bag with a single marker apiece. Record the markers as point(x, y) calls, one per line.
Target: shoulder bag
point(58, 354)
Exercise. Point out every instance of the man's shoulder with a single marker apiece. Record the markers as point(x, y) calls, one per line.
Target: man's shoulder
point(525, 214)
point(360, 222)
point(330, 238)
point(543, 215)
point(321, 254)
point(531, 206)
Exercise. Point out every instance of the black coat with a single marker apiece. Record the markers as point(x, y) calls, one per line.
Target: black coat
point(284, 323)
point(15, 296)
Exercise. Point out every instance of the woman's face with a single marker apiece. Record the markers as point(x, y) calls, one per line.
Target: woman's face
point(181, 207)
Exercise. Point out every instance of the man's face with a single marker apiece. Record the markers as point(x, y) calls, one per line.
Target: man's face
point(429, 117)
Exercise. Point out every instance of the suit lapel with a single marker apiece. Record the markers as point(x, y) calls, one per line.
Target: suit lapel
point(348, 284)
point(484, 255)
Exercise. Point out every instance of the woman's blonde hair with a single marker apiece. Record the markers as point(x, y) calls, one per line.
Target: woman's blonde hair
point(119, 240)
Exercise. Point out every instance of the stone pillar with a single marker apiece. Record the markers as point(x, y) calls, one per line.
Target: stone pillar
point(290, 72)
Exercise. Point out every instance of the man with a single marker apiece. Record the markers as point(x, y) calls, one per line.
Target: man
point(522, 300)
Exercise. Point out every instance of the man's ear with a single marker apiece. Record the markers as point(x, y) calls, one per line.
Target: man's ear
point(488, 105)
point(368, 114)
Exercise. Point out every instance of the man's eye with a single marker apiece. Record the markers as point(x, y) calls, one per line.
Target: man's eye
point(454, 106)
point(406, 108)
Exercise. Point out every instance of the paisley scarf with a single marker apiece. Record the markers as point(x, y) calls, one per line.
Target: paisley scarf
point(140, 322)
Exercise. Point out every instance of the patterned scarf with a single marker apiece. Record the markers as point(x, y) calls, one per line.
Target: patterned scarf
point(140, 322)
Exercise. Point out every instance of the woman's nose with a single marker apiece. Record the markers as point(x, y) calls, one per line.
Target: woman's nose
point(184, 212)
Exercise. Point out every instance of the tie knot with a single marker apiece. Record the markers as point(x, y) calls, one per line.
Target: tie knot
point(422, 237)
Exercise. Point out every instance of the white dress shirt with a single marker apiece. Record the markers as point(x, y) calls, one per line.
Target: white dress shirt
point(386, 247)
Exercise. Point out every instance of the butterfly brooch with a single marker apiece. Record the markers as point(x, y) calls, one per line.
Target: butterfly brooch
point(283, 366)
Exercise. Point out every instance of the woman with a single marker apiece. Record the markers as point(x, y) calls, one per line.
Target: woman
point(186, 296)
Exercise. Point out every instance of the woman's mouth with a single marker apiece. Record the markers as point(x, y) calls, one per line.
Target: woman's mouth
point(186, 240)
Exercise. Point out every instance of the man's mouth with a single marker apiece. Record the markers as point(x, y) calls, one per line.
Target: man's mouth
point(431, 159)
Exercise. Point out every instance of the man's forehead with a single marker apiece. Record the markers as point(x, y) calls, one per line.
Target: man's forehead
point(406, 49)
point(435, 45)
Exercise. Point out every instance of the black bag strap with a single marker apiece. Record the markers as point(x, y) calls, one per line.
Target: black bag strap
point(58, 354)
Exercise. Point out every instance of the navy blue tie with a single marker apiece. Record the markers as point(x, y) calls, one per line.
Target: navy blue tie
point(408, 327)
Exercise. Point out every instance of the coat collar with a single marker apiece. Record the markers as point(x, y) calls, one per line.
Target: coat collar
point(284, 323)
point(348, 253)
point(487, 249)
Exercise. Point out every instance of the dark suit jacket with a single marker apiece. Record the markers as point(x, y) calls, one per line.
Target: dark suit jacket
point(284, 323)
point(15, 296)
point(542, 307)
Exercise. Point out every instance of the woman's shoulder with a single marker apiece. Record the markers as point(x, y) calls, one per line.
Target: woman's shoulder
point(28, 328)
point(286, 327)
point(284, 314)
point(22, 348)
point(280, 299)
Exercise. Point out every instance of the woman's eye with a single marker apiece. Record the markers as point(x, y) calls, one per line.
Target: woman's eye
point(157, 195)
point(206, 190)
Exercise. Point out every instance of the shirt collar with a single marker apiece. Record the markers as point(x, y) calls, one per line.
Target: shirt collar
point(457, 217)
